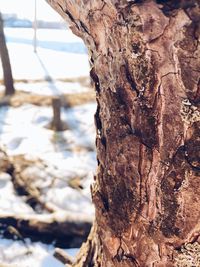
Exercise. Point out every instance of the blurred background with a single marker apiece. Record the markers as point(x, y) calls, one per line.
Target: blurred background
point(47, 137)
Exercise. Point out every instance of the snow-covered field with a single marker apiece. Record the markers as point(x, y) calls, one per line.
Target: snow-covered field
point(60, 55)
point(24, 131)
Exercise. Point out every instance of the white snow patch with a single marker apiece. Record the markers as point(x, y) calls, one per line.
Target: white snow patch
point(70, 199)
point(48, 89)
point(23, 132)
point(9, 201)
point(59, 54)
point(29, 255)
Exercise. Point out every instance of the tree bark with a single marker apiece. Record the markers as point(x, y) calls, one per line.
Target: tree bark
point(146, 69)
point(7, 72)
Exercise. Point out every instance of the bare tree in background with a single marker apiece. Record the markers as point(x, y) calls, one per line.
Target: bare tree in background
point(7, 72)
point(146, 69)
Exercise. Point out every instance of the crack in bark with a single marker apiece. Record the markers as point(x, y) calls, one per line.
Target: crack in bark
point(69, 15)
point(83, 26)
point(98, 123)
point(168, 73)
point(95, 78)
point(122, 256)
point(130, 79)
point(163, 32)
point(97, 9)
point(138, 134)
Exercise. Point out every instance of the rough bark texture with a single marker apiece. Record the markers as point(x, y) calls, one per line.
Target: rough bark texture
point(7, 72)
point(146, 68)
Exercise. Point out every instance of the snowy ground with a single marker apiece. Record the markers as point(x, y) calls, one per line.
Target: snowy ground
point(60, 66)
point(60, 55)
point(49, 88)
point(30, 255)
point(23, 131)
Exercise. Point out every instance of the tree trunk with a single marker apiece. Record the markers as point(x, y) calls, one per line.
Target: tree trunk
point(7, 72)
point(146, 69)
point(56, 122)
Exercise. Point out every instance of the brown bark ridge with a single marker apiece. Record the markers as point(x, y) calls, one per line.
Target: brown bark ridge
point(7, 72)
point(145, 58)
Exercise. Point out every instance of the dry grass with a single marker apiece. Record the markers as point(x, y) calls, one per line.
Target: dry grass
point(84, 81)
point(68, 100)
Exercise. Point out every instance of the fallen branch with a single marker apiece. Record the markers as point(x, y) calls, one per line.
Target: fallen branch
point(24, 184)
point(66, 230)
point(33, 194)
point(63, 257)
point(5, 163)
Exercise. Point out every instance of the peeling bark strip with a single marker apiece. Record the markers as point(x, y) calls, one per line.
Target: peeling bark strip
point(146, 67)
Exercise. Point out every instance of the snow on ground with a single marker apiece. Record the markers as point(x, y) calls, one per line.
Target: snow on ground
point(60, 56)
point(30, 254)
point(23, 131)
point(49, 88)
point(57, 64)
point(9, 201)
point(59, 38)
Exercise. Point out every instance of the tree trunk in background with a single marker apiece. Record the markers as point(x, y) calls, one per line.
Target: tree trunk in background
point(146, 69)
point(7, 73)
point(56, 122)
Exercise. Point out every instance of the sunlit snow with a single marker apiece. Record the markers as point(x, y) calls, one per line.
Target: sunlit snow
point(57, 67)
point(29, 254)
